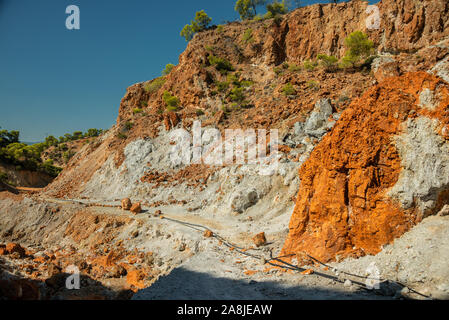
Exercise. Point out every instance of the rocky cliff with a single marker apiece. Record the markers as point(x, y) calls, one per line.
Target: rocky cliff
point(353, 193)
point(370, 144)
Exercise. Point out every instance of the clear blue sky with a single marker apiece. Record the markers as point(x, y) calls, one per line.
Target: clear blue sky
point(54, 80)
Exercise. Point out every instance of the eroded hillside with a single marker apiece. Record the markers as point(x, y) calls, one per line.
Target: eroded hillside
point(369, 143)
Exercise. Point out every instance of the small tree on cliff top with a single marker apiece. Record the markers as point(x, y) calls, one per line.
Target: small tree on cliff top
point(247, 9)
point(200, 23)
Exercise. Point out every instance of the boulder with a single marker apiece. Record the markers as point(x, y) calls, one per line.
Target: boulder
point(136, 208)
point(260, 240)
point(317, 124)
point(126, 204)
point(243, 199)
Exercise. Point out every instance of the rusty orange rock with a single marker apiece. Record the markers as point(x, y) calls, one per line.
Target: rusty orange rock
point(136, 208)
point(3, 250)
point(308, 272)
point(15, 248)
point(208, 234)
point(342, 206)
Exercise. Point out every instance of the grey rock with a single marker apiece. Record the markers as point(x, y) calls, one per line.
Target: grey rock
point(425, 162)
point(243, 199)
point(316, 124)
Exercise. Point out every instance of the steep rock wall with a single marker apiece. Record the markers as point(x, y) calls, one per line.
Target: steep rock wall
point(373, 177)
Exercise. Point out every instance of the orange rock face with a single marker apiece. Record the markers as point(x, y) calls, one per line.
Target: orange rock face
point(342, 207)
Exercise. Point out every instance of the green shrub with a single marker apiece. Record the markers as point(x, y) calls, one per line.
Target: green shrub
point(220, 64)
point(154, 85)
point(312, 84)
point(329, 63)
point(187, 32)
point(288, 90)
point(199, 112)
point(137, 110)
point(278, 71)
point(294, 68)
point(348, 61)
point(220, 29)
point(247, 83)
point(223, 86)
point(68, 155)
point(310, 65)
point(237, 94)
point(171, 102)
point(359, 45)
point(247, 8)
point(258, 17)
point(144, 103)
point(168, 68)
point(276, 8)
point(128, 125)
point(121, 135)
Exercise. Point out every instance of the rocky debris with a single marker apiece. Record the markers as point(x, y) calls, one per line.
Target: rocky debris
point(136, 278)
point(444, 212)
point(14, 248)
point(208, 234)
point(126, 204)
point(171, 120)
point(158, 213)
point(136, 208)
point(345, 181)
point(243, 199)
point(260, 240)
point(317, 124)
point(385, 66)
